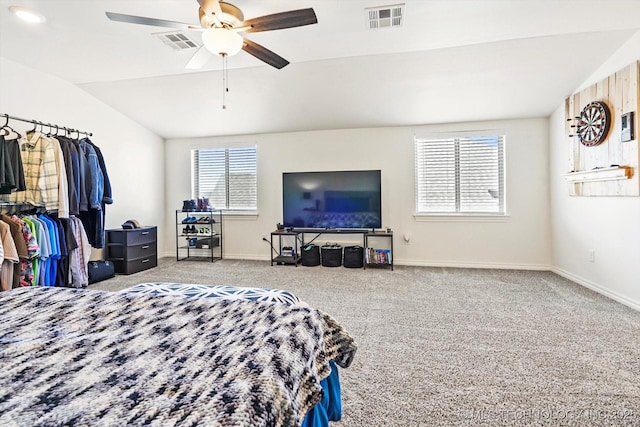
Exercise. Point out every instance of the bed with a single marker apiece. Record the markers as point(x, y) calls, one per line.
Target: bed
point(85, 357)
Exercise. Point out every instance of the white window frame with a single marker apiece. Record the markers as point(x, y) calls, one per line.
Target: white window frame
point(454, 169)
point(223, 158)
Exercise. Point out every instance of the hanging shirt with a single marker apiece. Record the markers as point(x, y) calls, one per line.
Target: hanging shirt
point(10, 258)
point(34, 258)
point(26, 265)
point(71, 245)
point(43, 257)
point(63, 185)
point(62, 274)
point(55, 250)
point(12, 164)
point(41, 176)
point(72, 167)
point(7, 177)
point(20, 244)
point(79, 257)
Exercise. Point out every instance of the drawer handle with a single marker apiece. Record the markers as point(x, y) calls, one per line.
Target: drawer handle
point(145, 260)
point(145, 247)
point(144, 233)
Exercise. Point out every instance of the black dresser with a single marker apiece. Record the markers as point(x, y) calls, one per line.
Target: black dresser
point(132, 250)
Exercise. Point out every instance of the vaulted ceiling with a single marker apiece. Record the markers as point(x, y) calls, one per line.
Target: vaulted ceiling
point(449, 61)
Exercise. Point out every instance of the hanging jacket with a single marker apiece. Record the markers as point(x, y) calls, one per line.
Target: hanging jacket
point(107, 197)
point(84, 178)
point(95, 181)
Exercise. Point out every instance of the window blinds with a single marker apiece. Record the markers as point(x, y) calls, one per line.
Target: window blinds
point(460, 175)
point(227, 177)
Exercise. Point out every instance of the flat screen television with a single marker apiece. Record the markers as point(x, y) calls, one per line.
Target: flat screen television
point(332, 200)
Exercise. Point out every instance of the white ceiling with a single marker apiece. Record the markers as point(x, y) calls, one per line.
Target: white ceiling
point(451, 61)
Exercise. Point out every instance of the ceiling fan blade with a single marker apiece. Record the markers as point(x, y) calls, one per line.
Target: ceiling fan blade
point(131, 19)
point(198, 59)
point(278, 21)
point(264, 54)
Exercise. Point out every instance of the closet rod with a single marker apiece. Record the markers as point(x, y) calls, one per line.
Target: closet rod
point(37, 122)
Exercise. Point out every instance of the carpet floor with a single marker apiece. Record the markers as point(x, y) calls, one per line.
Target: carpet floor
point(458, 347)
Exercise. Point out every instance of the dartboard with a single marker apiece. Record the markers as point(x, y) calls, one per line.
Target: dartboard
point(593, 125)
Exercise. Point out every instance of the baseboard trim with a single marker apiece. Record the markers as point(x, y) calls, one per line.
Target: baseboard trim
point(246, 257)
point(597, 288)
point(414, 263)
point(224, 256)
point(482, 265)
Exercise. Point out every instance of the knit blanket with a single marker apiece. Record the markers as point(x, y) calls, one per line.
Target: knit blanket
point(83, 357)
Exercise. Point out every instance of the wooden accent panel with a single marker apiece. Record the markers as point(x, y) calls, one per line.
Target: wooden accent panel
point(621, 93)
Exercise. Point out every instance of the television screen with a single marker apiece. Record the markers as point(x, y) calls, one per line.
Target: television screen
point(340, 199)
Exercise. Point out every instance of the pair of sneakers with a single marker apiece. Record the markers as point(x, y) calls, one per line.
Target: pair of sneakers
point(190, 229)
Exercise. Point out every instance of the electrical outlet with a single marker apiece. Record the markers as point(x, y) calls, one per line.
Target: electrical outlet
point(592, 255)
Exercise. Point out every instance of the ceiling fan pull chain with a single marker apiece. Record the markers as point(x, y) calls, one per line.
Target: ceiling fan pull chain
point(225, 85)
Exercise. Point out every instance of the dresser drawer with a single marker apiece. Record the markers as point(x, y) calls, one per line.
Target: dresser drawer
point(137, 236)
point(135, 265)
point(131, 252)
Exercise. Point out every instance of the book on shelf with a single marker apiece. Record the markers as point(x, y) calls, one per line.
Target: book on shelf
point(377, 256)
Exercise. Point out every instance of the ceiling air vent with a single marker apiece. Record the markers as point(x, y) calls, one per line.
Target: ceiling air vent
point(385, 16)
point(177, 40)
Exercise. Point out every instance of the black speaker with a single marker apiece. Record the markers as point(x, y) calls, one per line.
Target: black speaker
point(311, 255)
point(331, 255)
point(353, 256)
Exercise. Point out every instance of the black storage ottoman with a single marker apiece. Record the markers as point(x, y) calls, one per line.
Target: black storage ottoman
point(353, 256)
point(331, 255)
point(311, 255)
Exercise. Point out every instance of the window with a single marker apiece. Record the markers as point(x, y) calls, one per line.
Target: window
point(460, 175)
point(227, 177)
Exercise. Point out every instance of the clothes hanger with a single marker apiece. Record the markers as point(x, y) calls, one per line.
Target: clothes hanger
point(8, 129)
point(4, 127)
point(32, 131)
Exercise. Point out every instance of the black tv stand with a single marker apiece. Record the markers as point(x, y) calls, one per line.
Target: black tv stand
point(373, 257)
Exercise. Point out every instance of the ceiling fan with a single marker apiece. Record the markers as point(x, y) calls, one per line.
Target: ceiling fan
point(221, 24)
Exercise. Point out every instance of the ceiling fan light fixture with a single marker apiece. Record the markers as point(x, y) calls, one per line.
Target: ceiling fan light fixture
point(27, 15)
point(222, 41)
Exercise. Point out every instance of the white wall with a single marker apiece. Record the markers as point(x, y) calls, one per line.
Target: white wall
point(134, 156)
point(608, 225)
point(520, 241)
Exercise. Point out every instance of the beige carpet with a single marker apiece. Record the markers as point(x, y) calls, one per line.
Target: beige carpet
point(453, 347)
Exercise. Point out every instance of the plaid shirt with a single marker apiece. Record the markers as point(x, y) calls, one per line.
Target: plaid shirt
point(40, 172)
